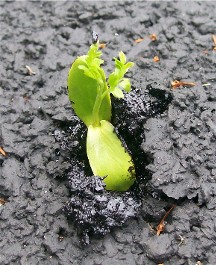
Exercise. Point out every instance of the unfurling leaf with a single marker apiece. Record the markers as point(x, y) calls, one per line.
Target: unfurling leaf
point(122, 57)
point(128, 66)
point(83, 81)
point(116, 79)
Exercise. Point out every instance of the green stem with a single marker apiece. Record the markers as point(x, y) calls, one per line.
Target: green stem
point(104, 94)
point(99, 98)
point(96, 108)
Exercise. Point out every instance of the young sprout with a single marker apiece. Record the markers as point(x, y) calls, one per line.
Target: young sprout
point(89, 93)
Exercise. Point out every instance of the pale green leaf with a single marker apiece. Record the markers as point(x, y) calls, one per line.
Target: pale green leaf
point(128, 65)
point(108, 158)
point(125, 84)
point(83, 89)
point(83, 67)
point(122, 57)
point(113, 80)
point(117, 92)
point(118, 64)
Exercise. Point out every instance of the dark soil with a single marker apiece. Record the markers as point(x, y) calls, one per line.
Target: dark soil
point(95, 210)
point(171, 134)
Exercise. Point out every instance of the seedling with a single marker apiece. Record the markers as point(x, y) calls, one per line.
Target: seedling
point(89, 93)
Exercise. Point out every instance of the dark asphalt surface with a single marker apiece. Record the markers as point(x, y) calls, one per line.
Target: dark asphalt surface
point(178, 144)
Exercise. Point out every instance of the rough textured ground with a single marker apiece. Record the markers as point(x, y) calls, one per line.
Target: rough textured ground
point(179, 145)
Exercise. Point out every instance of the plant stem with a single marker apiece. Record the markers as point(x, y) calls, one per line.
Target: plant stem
point(96, 108)
point(102, 91)
point(104, 94)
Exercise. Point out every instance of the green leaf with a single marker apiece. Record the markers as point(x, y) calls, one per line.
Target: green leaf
point(83, 81)
point(125, 84)
point(128, 66)
point(93, 53)
point(117, 92)
point(118, 65)
point(108, 158)
point(122, 57)
point(116, 79)
point(83, 67)
point(113, 80)
point(87, 72)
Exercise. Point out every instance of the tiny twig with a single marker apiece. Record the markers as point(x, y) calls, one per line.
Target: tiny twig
point(2, 151)
point(29, 70)
point(138, 40)
point(177, 83)
point(161, 225)
point(102, 45)
point(153, 37)
point(214, 40)
point(182, 240)
point(2, 201)
point(206, 84)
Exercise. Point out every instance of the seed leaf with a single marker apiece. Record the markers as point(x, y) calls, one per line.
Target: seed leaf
point(84, 78)
point(108, 158)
